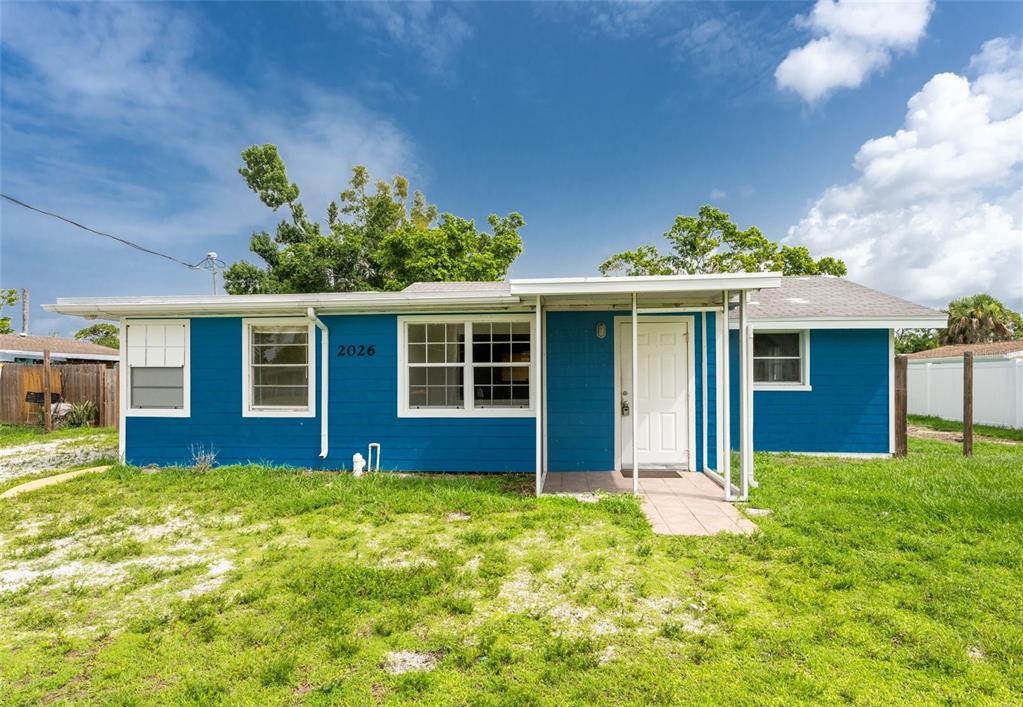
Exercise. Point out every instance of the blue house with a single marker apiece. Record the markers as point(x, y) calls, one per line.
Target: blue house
point(530, 375)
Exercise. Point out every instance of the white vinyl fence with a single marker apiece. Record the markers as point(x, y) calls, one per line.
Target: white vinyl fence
point(936, 388)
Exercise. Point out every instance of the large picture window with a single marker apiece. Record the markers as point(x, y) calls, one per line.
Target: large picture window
point(781, 359)
point(465, 367)
point(278, 368)
point(157, 368)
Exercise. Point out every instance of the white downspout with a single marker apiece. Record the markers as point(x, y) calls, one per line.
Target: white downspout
point(324, 378)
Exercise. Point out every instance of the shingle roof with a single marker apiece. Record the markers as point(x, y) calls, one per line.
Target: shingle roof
point(823, 296)
point(996, 348)
point(55, 344)
point(797, 298)
point(500, 287)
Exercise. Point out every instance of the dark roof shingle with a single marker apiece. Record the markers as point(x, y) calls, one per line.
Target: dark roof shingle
point(55, 344)
point(995, 348)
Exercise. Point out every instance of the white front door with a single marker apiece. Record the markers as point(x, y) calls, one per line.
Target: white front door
point(661, 401)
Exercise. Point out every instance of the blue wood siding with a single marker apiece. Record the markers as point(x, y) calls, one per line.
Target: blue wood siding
point(362, 403)
point(847, 408)
point(580, 392)
point(581, 389)
point(712, 394)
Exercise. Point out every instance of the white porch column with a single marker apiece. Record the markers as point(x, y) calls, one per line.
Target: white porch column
point(745, 399)
point(635, 396)
point(540, 393)
point(725, 401)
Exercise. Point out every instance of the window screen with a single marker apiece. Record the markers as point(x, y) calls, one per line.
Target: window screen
point(156, 365)
point(777, 357)
point(279, 361)
point(158, 388)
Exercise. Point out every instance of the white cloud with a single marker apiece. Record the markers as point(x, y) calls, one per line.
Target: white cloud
point(717, 194)
point(937, 209)
point(434, 30)
point(126, 75)
point(854, 40)
point(110, 117)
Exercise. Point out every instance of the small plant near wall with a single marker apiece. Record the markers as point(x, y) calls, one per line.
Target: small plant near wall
point(203, 458)
point(80, 415)
point(67, 415)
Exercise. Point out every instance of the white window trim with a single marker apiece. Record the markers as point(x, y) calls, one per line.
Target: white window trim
point(469, 411)
point(186, 375)
point(804, 360)
point(309, 409)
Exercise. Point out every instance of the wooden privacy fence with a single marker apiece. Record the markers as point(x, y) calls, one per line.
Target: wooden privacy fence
point(74, 382)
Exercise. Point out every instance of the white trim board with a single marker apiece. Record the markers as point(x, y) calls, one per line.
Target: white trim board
point(690, 320)
point(847, 323)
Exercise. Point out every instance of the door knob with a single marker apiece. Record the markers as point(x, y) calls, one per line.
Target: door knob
point(625, 408)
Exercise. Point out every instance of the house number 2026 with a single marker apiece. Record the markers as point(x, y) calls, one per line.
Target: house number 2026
point(356, 350)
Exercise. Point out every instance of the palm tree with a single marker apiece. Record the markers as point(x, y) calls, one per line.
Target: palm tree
point(978, 319)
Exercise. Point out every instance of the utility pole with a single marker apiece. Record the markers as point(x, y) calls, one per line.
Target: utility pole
point(24, 311)
point(211, 263)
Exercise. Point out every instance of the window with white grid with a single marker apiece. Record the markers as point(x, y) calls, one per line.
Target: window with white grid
point(465, 367)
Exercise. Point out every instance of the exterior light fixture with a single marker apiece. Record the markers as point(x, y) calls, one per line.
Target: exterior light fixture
point(600, 330)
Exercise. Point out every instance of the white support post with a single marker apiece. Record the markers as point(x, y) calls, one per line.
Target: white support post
point(706, 378)
point(725, 399)
point(635, 395)
point(538, 403)
point(745, 399)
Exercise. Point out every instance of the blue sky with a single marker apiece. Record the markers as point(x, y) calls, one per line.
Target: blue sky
point(890, 135)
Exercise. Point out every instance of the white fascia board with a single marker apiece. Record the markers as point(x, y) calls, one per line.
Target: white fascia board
point(227, 305)
point(849, 323)
point(640, 285)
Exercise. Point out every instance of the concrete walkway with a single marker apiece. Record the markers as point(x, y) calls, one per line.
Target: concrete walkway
point(689, 504)
point(50, 481)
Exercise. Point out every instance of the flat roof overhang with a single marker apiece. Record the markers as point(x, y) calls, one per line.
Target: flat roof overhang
point(675, 290)
point(645, 284)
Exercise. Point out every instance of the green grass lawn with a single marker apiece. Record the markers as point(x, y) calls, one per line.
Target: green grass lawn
point(876, 581)
point(937, 423)
point(17, 435)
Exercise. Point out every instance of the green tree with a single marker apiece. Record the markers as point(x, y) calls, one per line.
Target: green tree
point(8, 298)
point(909, 341)
point(981, 318)
point(104, 334)
point(711, 243)
point(376, 238)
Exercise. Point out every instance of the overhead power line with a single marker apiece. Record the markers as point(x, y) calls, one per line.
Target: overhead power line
point(124, 241)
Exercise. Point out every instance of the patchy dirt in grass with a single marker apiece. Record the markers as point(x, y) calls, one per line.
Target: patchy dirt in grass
point(399, 662)
point(108, 553)
point(949, 436)
point(550, 596)
point(32, 458)
point(213, 579)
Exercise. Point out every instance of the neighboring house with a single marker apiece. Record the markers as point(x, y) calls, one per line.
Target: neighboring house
point(935, 383)
point(26, 348)
point(447, 376)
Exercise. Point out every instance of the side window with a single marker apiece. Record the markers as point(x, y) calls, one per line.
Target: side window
point(780, 359)
point(278, 376)
point(157, 367)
